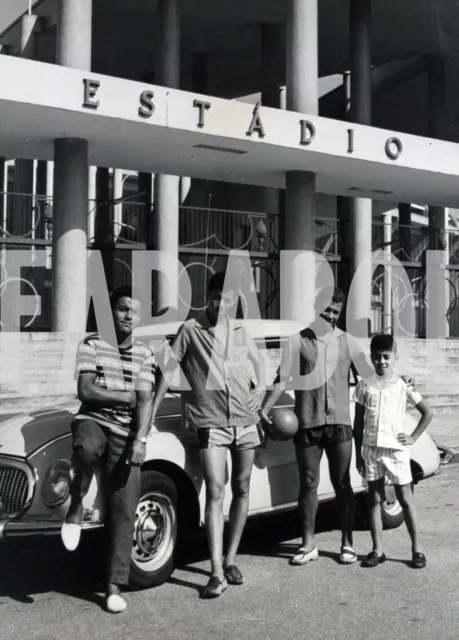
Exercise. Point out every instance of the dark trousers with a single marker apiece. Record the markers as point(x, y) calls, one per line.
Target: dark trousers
point(95, 445)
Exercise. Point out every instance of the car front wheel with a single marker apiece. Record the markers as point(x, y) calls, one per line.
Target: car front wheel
point(155, 534)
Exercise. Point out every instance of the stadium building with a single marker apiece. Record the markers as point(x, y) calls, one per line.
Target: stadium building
point(196, 127)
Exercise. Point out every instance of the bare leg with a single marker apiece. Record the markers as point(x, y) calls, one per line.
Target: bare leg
point(240, 485)
point(376, 496)
point(213, 467)
point(339, 462)
point(405, 496)
point(308, 459)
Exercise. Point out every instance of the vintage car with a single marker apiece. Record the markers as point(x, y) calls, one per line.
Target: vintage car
point(34, 458)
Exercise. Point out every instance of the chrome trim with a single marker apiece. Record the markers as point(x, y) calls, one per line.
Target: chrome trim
point(11, 528)
point(47, 444)
point(7, 462)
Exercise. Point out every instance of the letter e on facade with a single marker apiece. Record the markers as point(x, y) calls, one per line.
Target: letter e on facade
point(90, 91)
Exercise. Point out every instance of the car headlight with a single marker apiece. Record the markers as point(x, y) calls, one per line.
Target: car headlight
point(56, 486)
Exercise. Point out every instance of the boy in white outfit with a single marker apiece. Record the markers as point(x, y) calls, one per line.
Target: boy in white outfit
point(382, 446)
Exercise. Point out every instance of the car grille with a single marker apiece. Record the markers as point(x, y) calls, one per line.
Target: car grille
point(14, 489)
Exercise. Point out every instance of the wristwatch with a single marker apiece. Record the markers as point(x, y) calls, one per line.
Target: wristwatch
point(143, 440)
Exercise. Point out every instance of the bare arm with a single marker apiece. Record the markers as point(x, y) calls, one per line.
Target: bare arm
point(259, 366)
point(426, 418)
point(359, 420)
point(91, 393)
point(160, 392)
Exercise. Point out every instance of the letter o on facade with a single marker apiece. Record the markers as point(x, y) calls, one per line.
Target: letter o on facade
point(393, 148)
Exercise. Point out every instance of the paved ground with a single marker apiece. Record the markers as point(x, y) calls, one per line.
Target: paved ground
point(444, 429)
point(46, 594)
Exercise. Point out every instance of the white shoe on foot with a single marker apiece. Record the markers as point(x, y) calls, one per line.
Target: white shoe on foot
point(303, 557)
point(70, 534)
point(115, 603)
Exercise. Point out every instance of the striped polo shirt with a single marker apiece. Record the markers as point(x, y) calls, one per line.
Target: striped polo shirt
point(116, 369)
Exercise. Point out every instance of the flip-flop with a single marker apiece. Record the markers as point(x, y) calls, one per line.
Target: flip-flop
point(348, 555)
point(303, 557)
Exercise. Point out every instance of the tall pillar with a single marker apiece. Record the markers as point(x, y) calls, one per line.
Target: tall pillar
point(69, 235)
point(3, 171)
point(360, 222)
point(165, 214)
point(302, 96)
point(21, 223)
point(103, 224)
point(438, 296)
point(71, 180)
point(74, 34)
point(118, 204)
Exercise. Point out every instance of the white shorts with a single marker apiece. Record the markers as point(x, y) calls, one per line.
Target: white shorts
point(393, 463)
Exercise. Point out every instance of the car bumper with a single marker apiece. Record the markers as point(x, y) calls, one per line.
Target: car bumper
point(10, 528)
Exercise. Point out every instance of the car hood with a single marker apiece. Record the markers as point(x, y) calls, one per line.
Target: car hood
point(22, 435)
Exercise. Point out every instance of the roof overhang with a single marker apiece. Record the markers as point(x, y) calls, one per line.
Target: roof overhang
point(41, 102)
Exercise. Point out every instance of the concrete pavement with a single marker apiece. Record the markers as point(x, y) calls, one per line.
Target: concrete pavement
point(45, 594)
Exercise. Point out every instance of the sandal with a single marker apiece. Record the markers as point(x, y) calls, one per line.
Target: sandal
point(303, 557)
point(348, 555)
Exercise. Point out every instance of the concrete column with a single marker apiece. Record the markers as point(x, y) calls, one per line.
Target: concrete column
point(103, 227)
point(302, 96)
point(71, 181)
point(3, 171)
point(387, 289)
point(360, 208)
point(74, 34)
point(165, 215)
point(69, 235)
point(24, 170)
point(438, 299)
point(302, 57)
point(92, 206)
point(118, 206)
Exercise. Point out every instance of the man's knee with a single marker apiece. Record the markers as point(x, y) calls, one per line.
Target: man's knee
point(87, 453)
point(241, 487)
point(309, 482)
point(215, 491)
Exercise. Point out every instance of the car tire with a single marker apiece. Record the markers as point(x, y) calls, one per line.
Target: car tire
point(391, 509)
point(155, 535)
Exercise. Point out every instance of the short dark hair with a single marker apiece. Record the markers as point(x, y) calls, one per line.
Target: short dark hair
point(336, 295)
point(124, 292)
point(383, 342)
point(216, 282)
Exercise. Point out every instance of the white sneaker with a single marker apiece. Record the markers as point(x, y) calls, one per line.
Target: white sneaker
point(70, 534)
point(116, 604)
point(303, 557)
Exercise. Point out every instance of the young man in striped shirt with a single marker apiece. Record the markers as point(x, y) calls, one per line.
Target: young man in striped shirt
point(115, 386)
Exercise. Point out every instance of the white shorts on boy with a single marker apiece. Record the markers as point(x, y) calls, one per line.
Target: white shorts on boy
point(393, 463)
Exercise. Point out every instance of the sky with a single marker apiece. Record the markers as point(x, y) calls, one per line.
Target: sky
point(11, 9)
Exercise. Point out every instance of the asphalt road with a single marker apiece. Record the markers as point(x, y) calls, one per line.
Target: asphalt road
point(47, 594)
